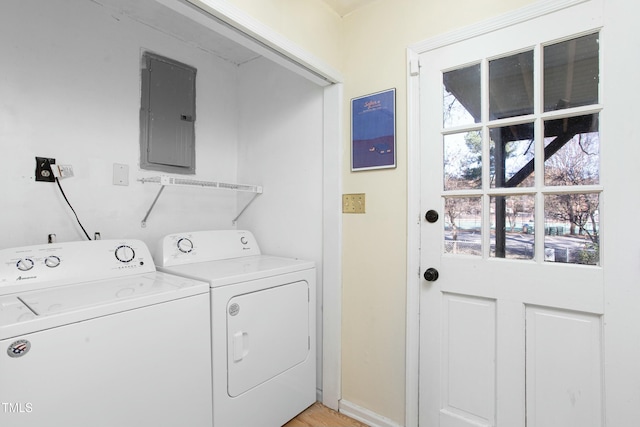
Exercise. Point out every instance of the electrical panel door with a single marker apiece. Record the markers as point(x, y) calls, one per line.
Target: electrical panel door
point(167, 115)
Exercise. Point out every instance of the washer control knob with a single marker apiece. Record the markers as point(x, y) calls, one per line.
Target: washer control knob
point(185, 245)
point(52, 261)
point(125, 253)
point(25, 264)
point(244, 240)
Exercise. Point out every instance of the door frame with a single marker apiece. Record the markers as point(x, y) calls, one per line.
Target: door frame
point(414, 215)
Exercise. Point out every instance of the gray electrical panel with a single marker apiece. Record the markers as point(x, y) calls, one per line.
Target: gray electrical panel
point(167, 115)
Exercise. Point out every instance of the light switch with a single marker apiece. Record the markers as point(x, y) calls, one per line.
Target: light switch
point(353, 203)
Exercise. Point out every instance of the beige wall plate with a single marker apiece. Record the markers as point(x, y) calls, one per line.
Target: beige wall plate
point(353, 203)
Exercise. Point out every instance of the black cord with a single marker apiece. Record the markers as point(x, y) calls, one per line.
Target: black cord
point(73, 210)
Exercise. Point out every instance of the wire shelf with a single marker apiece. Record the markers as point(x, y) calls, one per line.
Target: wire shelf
point(165, 180)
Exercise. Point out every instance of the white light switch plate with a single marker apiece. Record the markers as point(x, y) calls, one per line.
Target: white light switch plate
point(120, 174)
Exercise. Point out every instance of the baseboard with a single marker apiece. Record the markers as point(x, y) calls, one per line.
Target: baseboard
point(364, 415)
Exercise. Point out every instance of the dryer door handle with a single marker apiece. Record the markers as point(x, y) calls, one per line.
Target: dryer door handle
point(240, 345)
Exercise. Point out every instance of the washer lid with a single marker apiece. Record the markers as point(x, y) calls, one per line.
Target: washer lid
point(35, 310)
point(235, 270)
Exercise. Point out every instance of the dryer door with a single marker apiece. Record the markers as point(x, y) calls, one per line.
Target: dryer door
point(267, 333)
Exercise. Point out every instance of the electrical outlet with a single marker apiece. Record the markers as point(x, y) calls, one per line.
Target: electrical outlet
point(43, 169)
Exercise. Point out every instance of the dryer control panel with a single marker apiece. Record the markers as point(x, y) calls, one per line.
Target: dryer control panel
point(42, 266)
point(202, 246)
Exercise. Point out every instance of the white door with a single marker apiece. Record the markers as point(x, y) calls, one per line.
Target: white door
point(512, 305)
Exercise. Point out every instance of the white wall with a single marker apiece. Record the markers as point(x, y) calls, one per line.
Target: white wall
point(280, 147)
point(70, 89)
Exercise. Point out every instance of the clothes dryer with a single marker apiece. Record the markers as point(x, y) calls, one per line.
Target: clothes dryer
point(92, 335)
point(263, 311)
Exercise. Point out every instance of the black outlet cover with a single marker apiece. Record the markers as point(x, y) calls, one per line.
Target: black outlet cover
point(43, 169)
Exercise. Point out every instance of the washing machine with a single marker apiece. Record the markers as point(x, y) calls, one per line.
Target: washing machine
point(263, 311)
point(92, 335)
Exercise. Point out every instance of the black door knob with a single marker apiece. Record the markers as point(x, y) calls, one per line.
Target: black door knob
point(431, 216)
point(431, 275)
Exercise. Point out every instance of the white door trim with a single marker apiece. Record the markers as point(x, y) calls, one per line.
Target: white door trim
point(412, 358)
point(414, 216)
point(535, 10)
point(332, 248)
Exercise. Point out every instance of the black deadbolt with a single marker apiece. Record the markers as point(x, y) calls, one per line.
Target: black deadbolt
point(431, 216)
point(431, 275)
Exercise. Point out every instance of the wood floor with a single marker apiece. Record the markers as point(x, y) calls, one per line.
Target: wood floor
point(318, 415)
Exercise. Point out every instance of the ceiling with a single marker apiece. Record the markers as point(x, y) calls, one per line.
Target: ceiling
point(344, 7)
point(155, 15)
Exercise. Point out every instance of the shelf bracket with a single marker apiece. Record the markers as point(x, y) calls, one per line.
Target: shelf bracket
point(144, 220)
point(245, 208)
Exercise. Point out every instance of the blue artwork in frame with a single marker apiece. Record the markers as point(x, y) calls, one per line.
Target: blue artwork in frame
point(373, 131)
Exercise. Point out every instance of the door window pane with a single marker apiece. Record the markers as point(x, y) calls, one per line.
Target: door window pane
point(461, 96)
point(463, 161)
point(512, 226)
point(571, 73)
point(512, 156)
point(462, 225)
point(511, 86)
point(572, 151)
point(566, 144)
point(572, 228)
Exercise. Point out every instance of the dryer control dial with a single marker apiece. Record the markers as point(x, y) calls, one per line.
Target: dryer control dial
point(185, 245)
point(125, 253)
point(25, 264)
point(52, 261)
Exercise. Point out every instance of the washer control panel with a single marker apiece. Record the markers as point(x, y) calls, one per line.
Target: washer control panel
point(202, 246)
point(40, 266)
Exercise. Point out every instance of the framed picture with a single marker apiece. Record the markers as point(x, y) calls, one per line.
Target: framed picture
point(373, 131)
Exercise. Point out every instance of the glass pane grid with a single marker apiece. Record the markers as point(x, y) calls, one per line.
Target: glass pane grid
point(526, 184)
